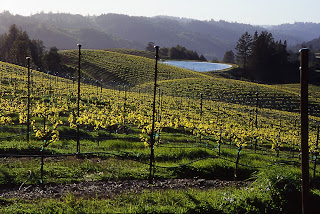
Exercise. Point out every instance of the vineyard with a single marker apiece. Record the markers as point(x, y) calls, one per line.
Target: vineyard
point(207, 127)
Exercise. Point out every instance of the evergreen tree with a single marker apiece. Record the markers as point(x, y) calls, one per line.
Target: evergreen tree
point(267, 59)
point(243, 48)
point(16, 45)
point(228, 57)
point(202, 58)
point(52, 60)
point(163, 52)
point(150, 46)
point(263, 48)
point(180, 52)
point(37, 50)
point(174, 53)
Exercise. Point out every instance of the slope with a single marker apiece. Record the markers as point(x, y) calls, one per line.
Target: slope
point(118, 68)
point(210, 38)
point(128, 67)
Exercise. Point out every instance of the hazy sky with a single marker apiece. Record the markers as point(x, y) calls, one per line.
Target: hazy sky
point(260, 12)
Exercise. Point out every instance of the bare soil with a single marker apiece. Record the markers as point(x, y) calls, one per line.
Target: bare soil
point(109, 189)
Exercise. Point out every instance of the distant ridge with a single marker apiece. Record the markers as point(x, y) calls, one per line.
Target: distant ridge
point(210, 38)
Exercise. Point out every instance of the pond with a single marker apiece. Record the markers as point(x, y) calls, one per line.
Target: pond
point(198, 66)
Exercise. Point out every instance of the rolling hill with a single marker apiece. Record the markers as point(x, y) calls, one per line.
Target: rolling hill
point(112, 67)
point(210, 38)
point(133, 69)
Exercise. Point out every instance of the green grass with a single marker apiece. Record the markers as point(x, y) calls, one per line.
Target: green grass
point(284, 97)
point(109, 154)
point(119, 158)
point(123, 68)
point(266, 195)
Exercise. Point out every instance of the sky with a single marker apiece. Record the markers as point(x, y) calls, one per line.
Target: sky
point(255, 12)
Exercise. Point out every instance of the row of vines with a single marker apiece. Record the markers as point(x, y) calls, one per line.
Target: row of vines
point(227, 112)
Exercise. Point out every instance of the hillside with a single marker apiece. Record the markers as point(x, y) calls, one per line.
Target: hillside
point(75, 29)
point(100, 152)
point(132, 68)
point(111, 67)
point(210, 38)
point(302, 31)
point(314, 45)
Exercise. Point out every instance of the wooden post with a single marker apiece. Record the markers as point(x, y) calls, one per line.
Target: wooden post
point(316, 154)
point(304, 60)
point(257, 106)
point(78, 100)
point(201, 105)
point(28, 101)
point(152, 135)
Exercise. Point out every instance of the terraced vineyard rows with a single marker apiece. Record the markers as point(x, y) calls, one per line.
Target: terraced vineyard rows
point(110, 67)
point(223, 136)
point(239, 92)
point(183, 112)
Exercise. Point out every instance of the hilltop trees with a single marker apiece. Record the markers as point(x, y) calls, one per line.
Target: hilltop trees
point(53, 60)
point(263, 57)
point(16, 45)
point(178, 52)
point(243, 48)
point(229, 57)
point(150, 46)
point(267, 52)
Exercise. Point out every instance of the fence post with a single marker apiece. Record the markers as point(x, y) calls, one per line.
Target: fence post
point(257, 106)
point(201, 105)
point(28, 100)
point(316, 154)
point(152, 135)
point(304, 60)
point(78, 101)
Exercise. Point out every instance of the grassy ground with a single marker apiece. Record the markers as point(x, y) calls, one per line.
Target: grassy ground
point(268, 194)
point(111, 153)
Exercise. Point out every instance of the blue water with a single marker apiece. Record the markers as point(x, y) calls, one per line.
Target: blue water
point(199, 66)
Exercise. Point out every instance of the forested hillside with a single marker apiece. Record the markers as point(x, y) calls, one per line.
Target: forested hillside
point(209, 38)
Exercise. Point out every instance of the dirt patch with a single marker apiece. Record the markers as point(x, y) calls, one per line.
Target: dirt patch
point(110, 189)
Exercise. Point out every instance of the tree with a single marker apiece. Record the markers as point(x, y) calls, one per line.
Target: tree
point(243, 48)
point(52, 59)
point(10, 44)
point(174, 53)
point(163, 52)
point(150, 46)
point(202, 58)
point(263, 49)
point(180, 52)
point(215, 60)
point(228, 57)
point(37, 50)
point(265, 58)
point(16, 45)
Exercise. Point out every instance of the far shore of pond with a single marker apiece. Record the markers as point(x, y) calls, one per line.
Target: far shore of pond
point(198, 66)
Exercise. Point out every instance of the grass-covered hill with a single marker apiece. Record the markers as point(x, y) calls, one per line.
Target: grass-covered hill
point(135, 68)
point(200, 145)
point(123, 67)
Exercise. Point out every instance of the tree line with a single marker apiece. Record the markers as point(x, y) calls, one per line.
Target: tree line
point(262, 58)
point(178, 52)
point(16, 45)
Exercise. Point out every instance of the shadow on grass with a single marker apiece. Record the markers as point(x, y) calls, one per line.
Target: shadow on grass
point(213, 172)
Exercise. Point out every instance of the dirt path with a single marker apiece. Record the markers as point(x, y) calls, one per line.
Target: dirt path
point(109, 189)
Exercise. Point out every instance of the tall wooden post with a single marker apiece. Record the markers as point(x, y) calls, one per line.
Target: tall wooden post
point(201, 105)
point(28, 100)
point(78, 100)
point(304, 60)
point(152, 135)
point(257, 106)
